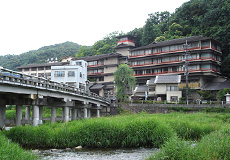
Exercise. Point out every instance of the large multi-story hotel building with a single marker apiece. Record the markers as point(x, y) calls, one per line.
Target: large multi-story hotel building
point(157, 58)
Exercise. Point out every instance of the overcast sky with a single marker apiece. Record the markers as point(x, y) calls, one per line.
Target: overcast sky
point(30, 24)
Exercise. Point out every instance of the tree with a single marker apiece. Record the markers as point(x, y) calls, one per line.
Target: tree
point(221, 94)
point(123, 80)
point(206, 95)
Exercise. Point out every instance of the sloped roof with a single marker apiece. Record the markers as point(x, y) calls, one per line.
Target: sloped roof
point(100, 56)
point(43, 65)
point(141, 88)
point(122, 45)
point(97, 86)
point(168, 79)
point(173, 42)
point(215, 86)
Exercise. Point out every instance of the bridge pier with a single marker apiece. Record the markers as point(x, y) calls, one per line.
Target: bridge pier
point(40, 114)
point(89, 113)
point(74, 114)
point(53, 114)
point(27, 114)
point(35, 115)
point(2, 116)
point(18, 115)
point(98, 111)
point(66, 114)
point(85, 112)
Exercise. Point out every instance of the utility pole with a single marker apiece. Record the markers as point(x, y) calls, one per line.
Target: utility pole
point(185, 46)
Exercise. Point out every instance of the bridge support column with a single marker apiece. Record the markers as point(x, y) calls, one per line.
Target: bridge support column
point(53, 114)
point(2, 116)
point(98, 111)
point(18, 115)
point(85, 112)
point(89, 113)
point(79, 116)
point(35, 115)
point(66, 114)
point(40, 114)
point(74, 114)
point(27, 114)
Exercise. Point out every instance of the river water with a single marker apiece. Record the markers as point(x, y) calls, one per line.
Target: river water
point(97, 154)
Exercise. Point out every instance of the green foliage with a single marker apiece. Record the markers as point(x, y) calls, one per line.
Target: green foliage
point(123, 80)
point(206, 95)
point(10, 150)
point(103, 46)
point(221, 94)
point(213, 146)
point(39, 56)
point(120, 131)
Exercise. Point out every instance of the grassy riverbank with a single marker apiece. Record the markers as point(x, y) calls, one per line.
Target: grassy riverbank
point(172, 132)
point(10, 150)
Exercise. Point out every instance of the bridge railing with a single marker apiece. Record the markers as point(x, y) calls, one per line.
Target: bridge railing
point(18, 78)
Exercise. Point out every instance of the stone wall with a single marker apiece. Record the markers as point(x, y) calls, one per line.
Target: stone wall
point(164, 108)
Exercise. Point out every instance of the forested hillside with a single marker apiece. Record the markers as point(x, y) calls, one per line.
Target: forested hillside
point(39, 56)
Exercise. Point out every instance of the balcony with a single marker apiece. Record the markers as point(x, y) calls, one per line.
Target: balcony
point(98, 73)
point(177, 72)
point(96, 65)
point(173, 51)
point(190, 85)
point(177, 61)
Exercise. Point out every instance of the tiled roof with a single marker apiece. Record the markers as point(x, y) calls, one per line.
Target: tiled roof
point(122, 45)
point(215, 86)
point(100, 56)
point(173, 42)
point(43, 65)
point(168, 79)
point(97, 86)
point(142, 88)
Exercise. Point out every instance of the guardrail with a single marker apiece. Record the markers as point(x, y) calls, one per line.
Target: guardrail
point(22, 79)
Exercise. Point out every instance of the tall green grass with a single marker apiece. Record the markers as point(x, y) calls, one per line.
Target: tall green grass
point(216, 145)
point(120, 131)
point(10, 150)
point(140, 130)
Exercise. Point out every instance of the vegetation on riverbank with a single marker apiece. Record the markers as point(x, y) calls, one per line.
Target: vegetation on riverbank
point(140, 130)
point(10, 150)
point(179, 135)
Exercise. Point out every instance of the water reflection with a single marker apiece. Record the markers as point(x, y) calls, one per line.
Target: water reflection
point(97, 154)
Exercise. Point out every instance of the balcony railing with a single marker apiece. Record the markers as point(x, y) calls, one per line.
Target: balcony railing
point(174, 61)
point(190, 85)
point(95, 73)
point(172, 51)
point(96, 65)
point(172, 72)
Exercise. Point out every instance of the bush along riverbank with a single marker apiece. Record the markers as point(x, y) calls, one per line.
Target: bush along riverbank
point(165, 131)
point(10, 150)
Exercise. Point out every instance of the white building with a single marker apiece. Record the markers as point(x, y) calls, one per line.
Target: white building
point(74, 74)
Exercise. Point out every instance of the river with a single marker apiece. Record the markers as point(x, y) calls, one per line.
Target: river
point(97, 154)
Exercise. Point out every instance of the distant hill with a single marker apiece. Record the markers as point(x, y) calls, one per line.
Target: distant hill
point(40, 56)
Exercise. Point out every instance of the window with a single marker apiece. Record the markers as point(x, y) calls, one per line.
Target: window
point(78, 63)
point(34, 69)
point(172, 88)
point(151, 89)
point(71, 74)
point(80, 74)
point(59, 74)
point(26, 69)
point(48, 68)
point(173, 98)
point(40, 68)
point(101, 79)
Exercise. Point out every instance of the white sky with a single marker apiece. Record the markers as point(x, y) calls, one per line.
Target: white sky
point(30, 24)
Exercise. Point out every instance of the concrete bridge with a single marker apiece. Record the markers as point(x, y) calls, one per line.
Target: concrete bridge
point(25, 90)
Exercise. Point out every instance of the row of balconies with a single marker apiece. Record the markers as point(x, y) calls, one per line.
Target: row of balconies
point(177, 61)
point(172, 51)
point(177, 72)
